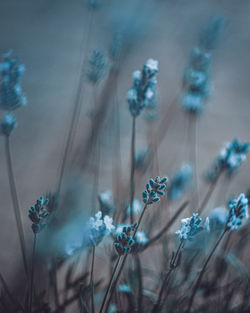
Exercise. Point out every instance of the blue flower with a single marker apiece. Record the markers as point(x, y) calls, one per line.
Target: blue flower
point(189, 227)
point(238, 212)
point(38, 214)
point(154, 189)
point(124, 239)
point(8, 124)
point(142, 94)
point(180, 181)
point(11, 94)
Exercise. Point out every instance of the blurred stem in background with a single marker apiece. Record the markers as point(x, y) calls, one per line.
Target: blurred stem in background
point(15, 202)
point(132, 169)
point(77, 102)
point(92, 280)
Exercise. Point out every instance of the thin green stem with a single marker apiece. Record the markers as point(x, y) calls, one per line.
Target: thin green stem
point(92, 280)
point(156, 307)
point(32, 273)
point(132, 170)
point(198, 281)
point(16, 206)
point(110, 284)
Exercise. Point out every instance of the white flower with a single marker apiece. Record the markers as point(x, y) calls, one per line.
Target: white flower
point(141, 237)
point(108, 221)
point(152, 65)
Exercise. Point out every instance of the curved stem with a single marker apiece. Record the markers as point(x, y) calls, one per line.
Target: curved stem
point(197, 284)
point(92, 280)
point(156, 307)
point(15, 202)
point(132, 171)
point(110, 284)
point(32, 274)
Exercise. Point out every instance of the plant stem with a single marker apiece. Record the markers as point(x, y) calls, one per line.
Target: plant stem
point(197, 284)
point(32, 273)
point(132, 172)
point(77, 106)
point(92, 280)
point(15, 202)
point(110, 284)
point(125, 257)
point(156, 307)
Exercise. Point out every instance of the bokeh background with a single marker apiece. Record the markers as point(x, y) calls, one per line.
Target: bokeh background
point(55, 39)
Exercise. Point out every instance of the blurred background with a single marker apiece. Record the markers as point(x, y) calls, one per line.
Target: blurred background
point(55, 40)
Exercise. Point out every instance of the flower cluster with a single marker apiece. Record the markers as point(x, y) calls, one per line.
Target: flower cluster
point(190, 226)
point(196, 81)
point(143, 93)
point(154, 189)
point(180, 181)
point(238, 212)
point(38, 214)
point(231, 156)
point(8, 124)
point(99, 227)
point(11, 94)
point(97, 64)
point(124, 239)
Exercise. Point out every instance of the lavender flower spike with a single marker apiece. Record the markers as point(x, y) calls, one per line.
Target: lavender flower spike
point(189, 227)
point(143, 92)
point(38, 214)
point(8, 124)
point(154, 189)
point(238, 212)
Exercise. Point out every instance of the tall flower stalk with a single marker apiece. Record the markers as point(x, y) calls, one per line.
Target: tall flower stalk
point(125, 241)
point(38, 215)
point(238, 212)
point(12, 98)
point(140, 96)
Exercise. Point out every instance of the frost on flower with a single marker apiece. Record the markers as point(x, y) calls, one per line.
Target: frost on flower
point(143, 93)
point(231, 156)
point(196, 81)
point(11, 94)
point(238, 212)
point(154, 189)
point(189, 227)
point(180, 181)
point(8, 124)
point(99, 227)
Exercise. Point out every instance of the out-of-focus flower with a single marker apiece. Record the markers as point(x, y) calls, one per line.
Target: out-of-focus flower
point(38, 214)
point(105, 200)
point(124, 240)
point(8, 124)
point(231, 156)
point(218, 218)
point(142, 94)
point(124, 288)
point(238, 212)
point(98, 65)
point(207, 224)
point(99, 227)
point(190, 226)
point(180, 181)
point(11, 94)
point(154, 189)
point(137, 207)
point(140, 237)
point(196, 81)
